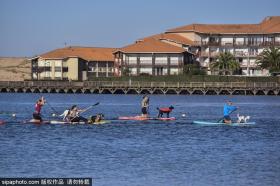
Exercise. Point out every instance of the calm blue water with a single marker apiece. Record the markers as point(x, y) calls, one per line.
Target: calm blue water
point(126, 153)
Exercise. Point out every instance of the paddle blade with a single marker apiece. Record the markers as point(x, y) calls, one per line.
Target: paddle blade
point(96, 104)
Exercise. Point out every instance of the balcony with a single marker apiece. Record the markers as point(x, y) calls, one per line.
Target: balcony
point(226, 43)
point(44, 69)
point(250, 64)
point(240, 43)
point(211, 54)
point(245, 54)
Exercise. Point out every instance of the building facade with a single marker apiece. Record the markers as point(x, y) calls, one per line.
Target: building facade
point(73, 63)
point(244, 41)
point(151, 57)
point(165, 53)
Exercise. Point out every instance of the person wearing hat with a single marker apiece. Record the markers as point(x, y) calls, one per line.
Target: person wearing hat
point(145, 105)
point(228, 109)
point(165, 110)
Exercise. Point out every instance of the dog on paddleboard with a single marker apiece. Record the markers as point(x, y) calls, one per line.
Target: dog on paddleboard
point(64, 114)
point(242, 119)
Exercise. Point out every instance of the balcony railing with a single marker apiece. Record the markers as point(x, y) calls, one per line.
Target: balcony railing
point(227, 43)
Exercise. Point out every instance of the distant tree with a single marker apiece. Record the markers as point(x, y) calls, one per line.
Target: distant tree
point(225, 64)
point(193, 69)
point(270, 59)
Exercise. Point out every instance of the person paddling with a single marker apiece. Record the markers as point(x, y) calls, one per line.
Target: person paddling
point(145, 106)
point(166, 111)
point(38, 106)
point(228, 109)
point(73, 115)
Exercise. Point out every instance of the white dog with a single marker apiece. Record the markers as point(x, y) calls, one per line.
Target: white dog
point(242, 119)
point(64, 114)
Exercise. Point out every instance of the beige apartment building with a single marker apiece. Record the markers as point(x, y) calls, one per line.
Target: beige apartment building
point(73, 63)
point(165, 53)
point(244, 41)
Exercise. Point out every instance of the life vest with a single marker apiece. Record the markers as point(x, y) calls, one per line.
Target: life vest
point(165, 109)
point(38, 108)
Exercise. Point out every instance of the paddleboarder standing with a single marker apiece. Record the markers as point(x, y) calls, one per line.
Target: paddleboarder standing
point(38, 106)
point(228, 109)
point(145, 105)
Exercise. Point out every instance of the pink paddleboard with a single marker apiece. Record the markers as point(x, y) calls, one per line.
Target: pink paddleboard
point(141, 118)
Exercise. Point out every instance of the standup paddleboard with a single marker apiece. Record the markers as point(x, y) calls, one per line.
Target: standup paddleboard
point(35, 121)
point(216, 123)
point(141, 118)
point(77, 123)
point(65, 122)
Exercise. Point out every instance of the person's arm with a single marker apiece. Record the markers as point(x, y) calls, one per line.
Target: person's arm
point(43, 100)
point(82, 110)
point(233, 108)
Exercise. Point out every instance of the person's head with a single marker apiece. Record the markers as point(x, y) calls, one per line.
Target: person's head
point(229, 102)
point(171, 107)
point(40, 102)
point(74, 107)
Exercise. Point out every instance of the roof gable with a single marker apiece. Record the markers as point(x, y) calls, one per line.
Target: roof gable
point(86, 53)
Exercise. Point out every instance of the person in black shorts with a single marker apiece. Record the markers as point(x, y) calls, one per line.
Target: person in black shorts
point(145, 106)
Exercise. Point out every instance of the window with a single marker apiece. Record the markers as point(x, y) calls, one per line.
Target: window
point(161, 60)
point(132, 60)
point(65, 69)
point(47, 63)
point(57, 69)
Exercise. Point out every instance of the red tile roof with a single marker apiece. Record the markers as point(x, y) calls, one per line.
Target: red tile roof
point(173, 37)
point(86, 53)
point(151, 45)
point(268, 25)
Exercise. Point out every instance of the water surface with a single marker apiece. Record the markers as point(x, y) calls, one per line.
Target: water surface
point(143, 153)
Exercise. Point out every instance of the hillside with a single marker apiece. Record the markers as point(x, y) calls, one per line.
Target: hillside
point(14, 69)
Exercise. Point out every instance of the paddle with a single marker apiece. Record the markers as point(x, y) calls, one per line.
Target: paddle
point(86, 109)
point(219, 121)
point(55, 112)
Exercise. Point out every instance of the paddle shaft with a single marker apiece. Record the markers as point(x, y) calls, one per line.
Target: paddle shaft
point(52, 108)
